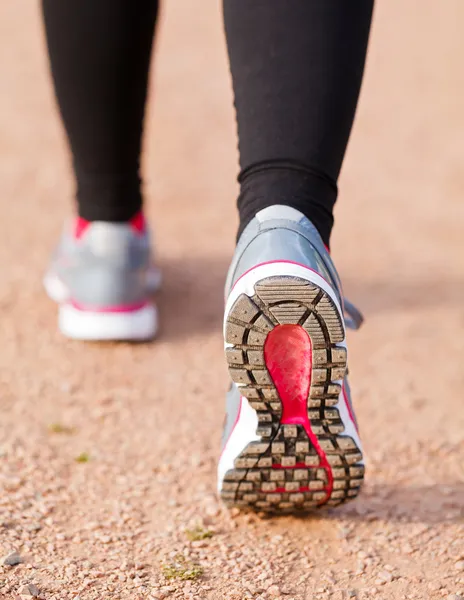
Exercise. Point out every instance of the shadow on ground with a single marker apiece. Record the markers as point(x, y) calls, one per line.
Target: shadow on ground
point(383, 296)
point(191, 299)
point(430, 504)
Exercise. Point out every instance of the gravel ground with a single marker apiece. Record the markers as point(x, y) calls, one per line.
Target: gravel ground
point(108, 452)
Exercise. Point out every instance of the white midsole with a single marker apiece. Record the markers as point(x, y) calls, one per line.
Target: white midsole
point(135, 325)
point(243, 433)
point(245, 429)
point(350, 427)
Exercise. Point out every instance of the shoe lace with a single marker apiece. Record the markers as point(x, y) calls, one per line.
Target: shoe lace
point(353, 317)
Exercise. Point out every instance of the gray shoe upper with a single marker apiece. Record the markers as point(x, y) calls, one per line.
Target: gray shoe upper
point(283, 233)
point(106, 266)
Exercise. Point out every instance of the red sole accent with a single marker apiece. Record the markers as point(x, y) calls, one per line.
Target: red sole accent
point(301, 489)
point(295, 466)
point(288, 358)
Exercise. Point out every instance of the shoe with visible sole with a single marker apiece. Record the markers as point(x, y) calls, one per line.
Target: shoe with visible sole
point(101, 275)
point(291, 441)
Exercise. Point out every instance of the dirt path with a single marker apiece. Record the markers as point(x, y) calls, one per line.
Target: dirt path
point(149, 417)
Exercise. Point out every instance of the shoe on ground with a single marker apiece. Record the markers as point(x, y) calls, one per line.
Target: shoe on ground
point(102, 277)
point(291, 440)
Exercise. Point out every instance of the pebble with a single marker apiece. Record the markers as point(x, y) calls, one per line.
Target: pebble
point(459, 566)
point(105, 539)
point(11, 484)
point(29, 591)
point(434, 586)
point(273, 590)
point(384, 577)
point(12, 559)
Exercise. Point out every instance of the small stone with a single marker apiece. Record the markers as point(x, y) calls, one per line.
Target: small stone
point(434, 586)
point(385, 576)
point(459, 566)
point(273, 590)
point(105, 539)
point(454, 597)
point(12, 483)
point(351, 593)
point(12, 559)
point(29, 591)
point(343, 533)
point(212, 510)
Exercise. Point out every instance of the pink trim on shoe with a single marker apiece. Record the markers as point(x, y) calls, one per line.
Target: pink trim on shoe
point(80, 227)
point(138, 223)
point(123, 308)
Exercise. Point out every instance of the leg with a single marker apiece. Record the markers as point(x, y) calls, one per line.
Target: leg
point(297, 68)
point(100, 56)
point(101, 273)
point(291, 441)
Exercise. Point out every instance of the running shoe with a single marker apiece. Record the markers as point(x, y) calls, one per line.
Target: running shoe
point(102, 277)
point(291, 440)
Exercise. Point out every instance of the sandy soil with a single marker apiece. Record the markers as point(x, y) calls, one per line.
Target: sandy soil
point(148, 417)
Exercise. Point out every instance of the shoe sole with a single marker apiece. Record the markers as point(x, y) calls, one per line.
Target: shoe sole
point(285, 349)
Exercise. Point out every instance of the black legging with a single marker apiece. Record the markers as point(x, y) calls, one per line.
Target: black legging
point(296, 65)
